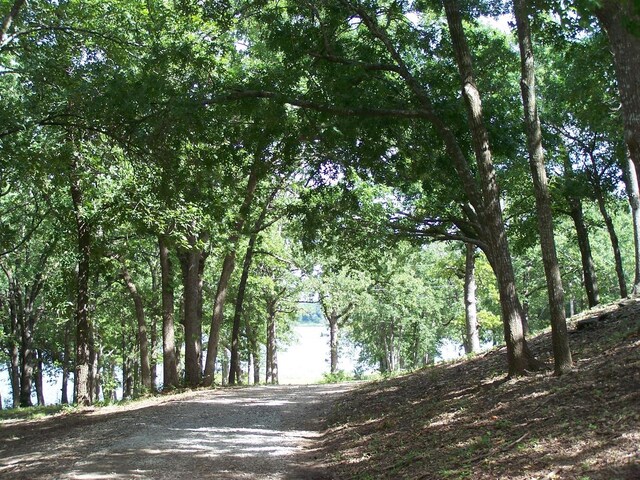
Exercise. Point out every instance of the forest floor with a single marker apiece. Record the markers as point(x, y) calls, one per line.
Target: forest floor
point(234, 433)
point(460, 420)
point(464, 420)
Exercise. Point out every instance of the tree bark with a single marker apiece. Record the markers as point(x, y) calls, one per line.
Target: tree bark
point(145, 366)
point(633, 195)
point(192, 262)
point(577, 215)
point(613, 236)
point(9, 18)
point(616, 16)
point(272, 355)
point(83, 325)
point(555, 290)
point(237, 316)
point(169, 358)
point(519, 357)
point(66, 363)
point(228, 266)
point(472, 345)
point(333, 341)
point(255, 351)
point(39, 379)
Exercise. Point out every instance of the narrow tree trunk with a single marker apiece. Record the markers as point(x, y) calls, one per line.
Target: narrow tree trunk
point(613, 236)
point(272, 362)
point(333, 341)
point(66, 363)
point(97, 375)
point(577, 215)
point(83, 326)
point(38, 378)
point(8, 20)
point(519, 357)
point(14, 374)
point(127, 374)
point(472, 344)
point(617, 16)
point(169, 359)
point(255, 351)
point(555, 290)
point(633, 195)
point(145, 366)
point(588, 267)
point(228, 266)
point(237, 316)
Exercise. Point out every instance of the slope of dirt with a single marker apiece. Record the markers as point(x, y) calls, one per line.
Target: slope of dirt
point(463, 420)
point(261, 432)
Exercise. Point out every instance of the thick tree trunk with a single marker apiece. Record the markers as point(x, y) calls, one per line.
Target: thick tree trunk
point(145, 366)
point(27, 360)
point(555, 290)
point(633, 195)
point(519, 357)
point(83, 326)
point(192, 262)
point(472, 344)
point(169, 358)
point(616, 16)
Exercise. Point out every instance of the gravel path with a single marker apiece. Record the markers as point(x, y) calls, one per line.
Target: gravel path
point(257, 433)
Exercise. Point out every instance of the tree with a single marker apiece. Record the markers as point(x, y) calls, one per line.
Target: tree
point(560, 341)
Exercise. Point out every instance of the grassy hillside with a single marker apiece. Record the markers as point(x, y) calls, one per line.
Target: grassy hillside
point(465, 420)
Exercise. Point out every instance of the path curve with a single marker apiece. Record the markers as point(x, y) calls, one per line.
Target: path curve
point(258, 433)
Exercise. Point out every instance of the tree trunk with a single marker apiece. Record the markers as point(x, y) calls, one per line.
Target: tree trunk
point(588, 267)
point(613, 236)
point(255, 351)
point(472, 344)
point(14, 374)
point(145, 366)
point(228, 266)
point(633, 194)
point(237, 316)
point(577, 215)
point(127, 374)
point(39, 378)
point(83, 326)
point(66, 363)
point(192, 262)
point(519, 357)
point(27, 360)
point(272, 362)
point(169, 358)
point(333, 341)
point(555, 290)
point(616, 16)
point(8, 20)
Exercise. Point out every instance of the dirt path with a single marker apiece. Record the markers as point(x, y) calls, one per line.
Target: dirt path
point(263, 432)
